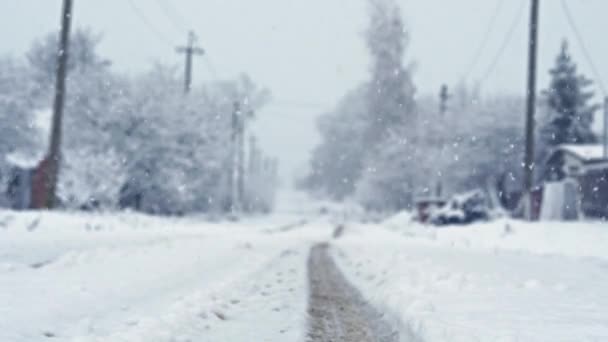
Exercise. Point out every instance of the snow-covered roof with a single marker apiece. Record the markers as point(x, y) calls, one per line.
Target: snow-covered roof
point(24, 160)
point(30, 158)
point(587, 152)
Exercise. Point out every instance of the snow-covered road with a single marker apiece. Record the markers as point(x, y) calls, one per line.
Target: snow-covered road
point(127, 277)
point(337, 311)
point(136, 278)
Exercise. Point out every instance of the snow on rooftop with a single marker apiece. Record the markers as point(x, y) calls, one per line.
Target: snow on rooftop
point(29, 159)
point(24, 160)
point(588, 152)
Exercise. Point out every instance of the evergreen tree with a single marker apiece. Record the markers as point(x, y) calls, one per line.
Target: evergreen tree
point(336, 164)
point(367, 119)
point(391, 91)
point(570, 115)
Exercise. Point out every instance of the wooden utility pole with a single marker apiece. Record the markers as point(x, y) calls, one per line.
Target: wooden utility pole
point(443, 107)
point(606, 127)
point(54, 153)
point(530, 107)
point(189, 50)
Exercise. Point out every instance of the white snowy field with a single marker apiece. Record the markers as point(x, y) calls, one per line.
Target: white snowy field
point(500, 281)
point(128, 277)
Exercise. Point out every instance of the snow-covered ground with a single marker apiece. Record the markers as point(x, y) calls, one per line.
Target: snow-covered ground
point(130, 277)
point(500, 281)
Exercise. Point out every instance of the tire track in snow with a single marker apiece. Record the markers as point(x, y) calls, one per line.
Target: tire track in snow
point(337, 311)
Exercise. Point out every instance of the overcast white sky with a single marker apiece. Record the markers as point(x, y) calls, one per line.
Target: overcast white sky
point(309, 52)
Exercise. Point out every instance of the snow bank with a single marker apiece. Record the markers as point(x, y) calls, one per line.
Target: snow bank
point(129, 277)
point(485, 282)
point(577, 239)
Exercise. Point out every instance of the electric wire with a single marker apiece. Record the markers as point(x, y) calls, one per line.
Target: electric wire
point(144, 19)
point(484, 41)
point(581, 42)
point(505, 42)
point(181, 24)
point(177, 20)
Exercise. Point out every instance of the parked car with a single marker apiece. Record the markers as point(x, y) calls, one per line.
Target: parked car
point(462, 209)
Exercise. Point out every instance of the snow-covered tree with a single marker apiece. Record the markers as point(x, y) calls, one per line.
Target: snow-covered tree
point(391, 176)
point(337, 163)
point(18, 131)
point(127, 137)
point(484, 142)
point(83, 55)
point(570, 112)
point(368, 119)
point(390, 91)
point(16, 108)
point(92, 93)
point(387, 181)
point(176, 148)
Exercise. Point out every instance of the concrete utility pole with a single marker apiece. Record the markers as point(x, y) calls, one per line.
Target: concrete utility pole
point(54, 154)
point(443, 107)
point(530, 107)
point(234, 142)
point(606, 127)
point(253, 156)
point(240, 180)
point(237, 158)
point(252, 174)
point(189, 50)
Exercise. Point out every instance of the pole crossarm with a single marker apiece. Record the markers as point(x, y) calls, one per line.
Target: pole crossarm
point(189, 50)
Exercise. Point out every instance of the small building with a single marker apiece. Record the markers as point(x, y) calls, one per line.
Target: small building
point(18, 189)
point(26, 188)
point(583, 172)
point(26, 185)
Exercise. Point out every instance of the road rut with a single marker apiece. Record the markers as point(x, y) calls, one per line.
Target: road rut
point(337, 311)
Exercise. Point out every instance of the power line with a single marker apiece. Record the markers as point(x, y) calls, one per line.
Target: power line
point(484, 41)
point(579, 38)
point(180, 23)
point(287, 103)
point(173, 15)
point(148, 23)
point(505, 42)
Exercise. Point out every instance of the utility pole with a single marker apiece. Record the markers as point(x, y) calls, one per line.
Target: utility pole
point(443, 107)
point(530, 107)
point(54, 154)
point(234, 139)
point(189, 50)
point(237, 158)
point(606, 127)
point(252, 175)
point(240, 173)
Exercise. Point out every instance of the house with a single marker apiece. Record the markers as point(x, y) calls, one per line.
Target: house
point(26, 188)
point(578, 174)
point(26, 185)
point(18, 189)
